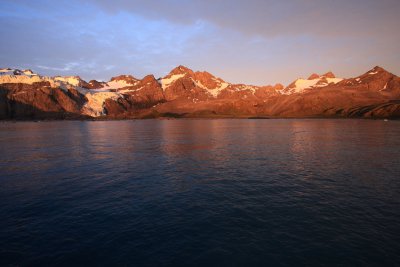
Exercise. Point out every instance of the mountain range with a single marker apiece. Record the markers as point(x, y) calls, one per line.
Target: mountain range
point(25, 94)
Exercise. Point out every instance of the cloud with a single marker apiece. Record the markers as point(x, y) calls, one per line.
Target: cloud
point(271, 18)
point(93, 42)
point(253, 41)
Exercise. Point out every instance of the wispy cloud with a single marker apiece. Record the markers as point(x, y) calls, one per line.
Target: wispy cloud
point(67, 67)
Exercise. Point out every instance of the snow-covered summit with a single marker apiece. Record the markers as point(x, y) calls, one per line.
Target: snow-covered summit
point(201, 79)
point(10, 75)
point(313, 82)
point(16, 72)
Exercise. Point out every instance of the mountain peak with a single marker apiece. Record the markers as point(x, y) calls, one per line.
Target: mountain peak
point(326, 75)
point(180, 70)
point(126, 78)
point(10, 71)
point(313, 76)
point(329, 74)
point(149, 78)
point(376, 70)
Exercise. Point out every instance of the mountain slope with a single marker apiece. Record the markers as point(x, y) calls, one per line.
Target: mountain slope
point(184, 92)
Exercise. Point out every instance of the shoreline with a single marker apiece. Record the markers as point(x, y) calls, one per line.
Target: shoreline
point(200, 118)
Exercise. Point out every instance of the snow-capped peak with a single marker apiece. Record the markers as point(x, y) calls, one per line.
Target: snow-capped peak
point(9, 71)
point(376, 70)
point(71, 80)
point(121, 81)
point(314, 81)
point(9, 75)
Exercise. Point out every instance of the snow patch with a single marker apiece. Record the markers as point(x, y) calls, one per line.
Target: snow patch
point(118, 84)
point(216, 91)
point(251, 88)
point(334, 80)
point(95, 105)
point(20, 79)
point(29, 73)
point(384, 88)
point(199, 84)
point(72, 80)
point(5, 70)
point(166, 82)
point(213, 91)
point(131, 90)
point(302, 84)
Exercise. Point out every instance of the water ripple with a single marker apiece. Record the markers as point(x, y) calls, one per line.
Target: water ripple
point(200, 192)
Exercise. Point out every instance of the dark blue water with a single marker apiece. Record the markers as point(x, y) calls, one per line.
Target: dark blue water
point(200, 193)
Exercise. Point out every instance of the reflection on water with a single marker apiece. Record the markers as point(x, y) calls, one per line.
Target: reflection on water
point(200, 192)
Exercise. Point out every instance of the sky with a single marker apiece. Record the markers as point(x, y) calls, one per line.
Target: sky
point(256, 42)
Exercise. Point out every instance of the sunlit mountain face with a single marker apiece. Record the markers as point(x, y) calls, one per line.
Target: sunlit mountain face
point(187, 93)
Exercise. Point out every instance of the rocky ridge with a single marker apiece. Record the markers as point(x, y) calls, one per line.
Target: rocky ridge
point(187, 93)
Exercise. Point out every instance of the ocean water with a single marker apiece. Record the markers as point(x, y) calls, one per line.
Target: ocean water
point(200, 193)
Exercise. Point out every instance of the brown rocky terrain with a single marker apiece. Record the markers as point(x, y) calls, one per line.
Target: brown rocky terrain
point(93, 84)
point(39, 101)
point(185, 93)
